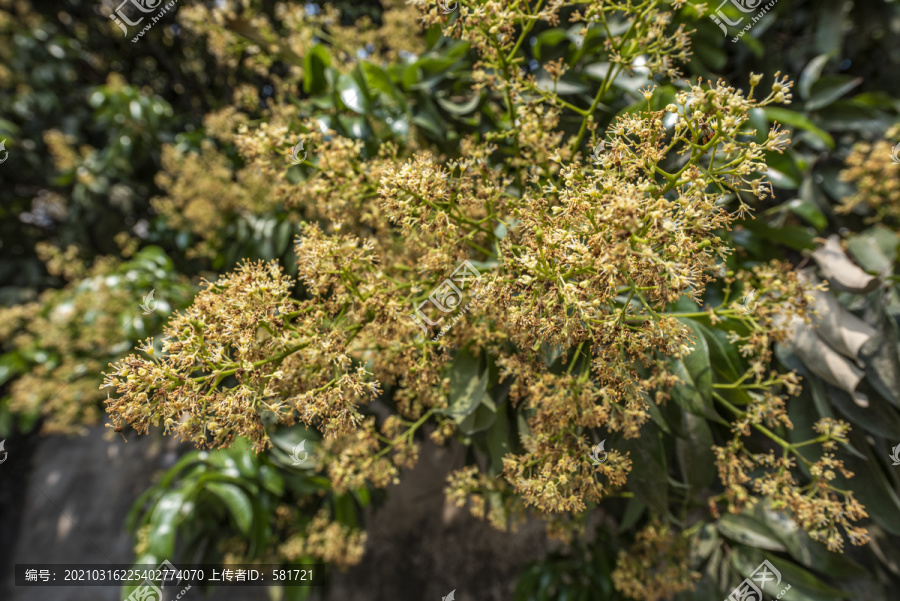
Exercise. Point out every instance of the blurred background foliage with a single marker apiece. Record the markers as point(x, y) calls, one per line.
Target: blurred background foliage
point(104, 137)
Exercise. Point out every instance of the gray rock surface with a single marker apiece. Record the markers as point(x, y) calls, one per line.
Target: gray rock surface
point(76, 492)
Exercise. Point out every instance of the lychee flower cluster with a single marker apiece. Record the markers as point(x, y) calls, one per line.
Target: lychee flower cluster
point(583, 241)
point(874, 168)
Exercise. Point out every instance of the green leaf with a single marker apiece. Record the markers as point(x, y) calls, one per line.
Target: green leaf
point(808, 211)
point(757, 121)
point(649, 474)
point(662, 415)
point(271, 480)
point(285, 440)
point(296, 593)
point(498, 439)
point(847, 115)
point(164, 522)
point(802, 580)
point(468, 386)
point(724, 358)
point(546, 40)
point(811, 74)
point(694, 393)
point(687, 393)
point(877, 495)
point(315, 62)
point(362, 496)
point(378, 79)
point(237, 501)
point(804, 585)
point(808, 552)
point(749, 531)
point(11, 364)
point(481, 419)
point(829, 89)
point(353, 95)
point(261, 528)
point(782, 170)
point(797, 238)
point(707, 539)
point(430, 123)
point(797, 120)
point(634, 509)
point(712, 55)
point(697, 362)
point(563, 87)
point(874, 249)
point(459, 108)
point(345, 510)
point(695, 456)
point(878, 418)
point(225, 463)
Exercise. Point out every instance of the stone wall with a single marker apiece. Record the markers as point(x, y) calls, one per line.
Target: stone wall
point(65, 500)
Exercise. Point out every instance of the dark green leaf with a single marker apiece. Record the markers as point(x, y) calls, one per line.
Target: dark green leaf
point(468, 386)
point(352, 94)
point(548, 39)
point(748, 531)
point(237, 501)
point(830, 88)
point(498, 439)
point(796, 120)
point(649, 474)
point(809, 211)
point(316, 60)
point(811, 74)
point(164, 522)
point(695, 455)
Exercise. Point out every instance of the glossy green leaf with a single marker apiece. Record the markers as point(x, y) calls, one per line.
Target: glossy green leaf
point(463, 107)
point(749, 531)
point(237, 501)
point(879, 417)
point(724, 357)
point(468, 386)
point(803, 580)
point(797, 238)
point(809, 553)
point(498, 439)
point(481, 419)
point(649, 475)
point(811, 74)
point(634, 509)
point(830, 88)
point(315, 62)
point(695, 455)
point(809, 212)
point(352, 94)
point(163, 523)
point(378, 79)
point(797, 120)
point(874, 249)
point(546, 40)
point(878, 495)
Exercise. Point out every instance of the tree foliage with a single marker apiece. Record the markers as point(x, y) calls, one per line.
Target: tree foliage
point(547, 229)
